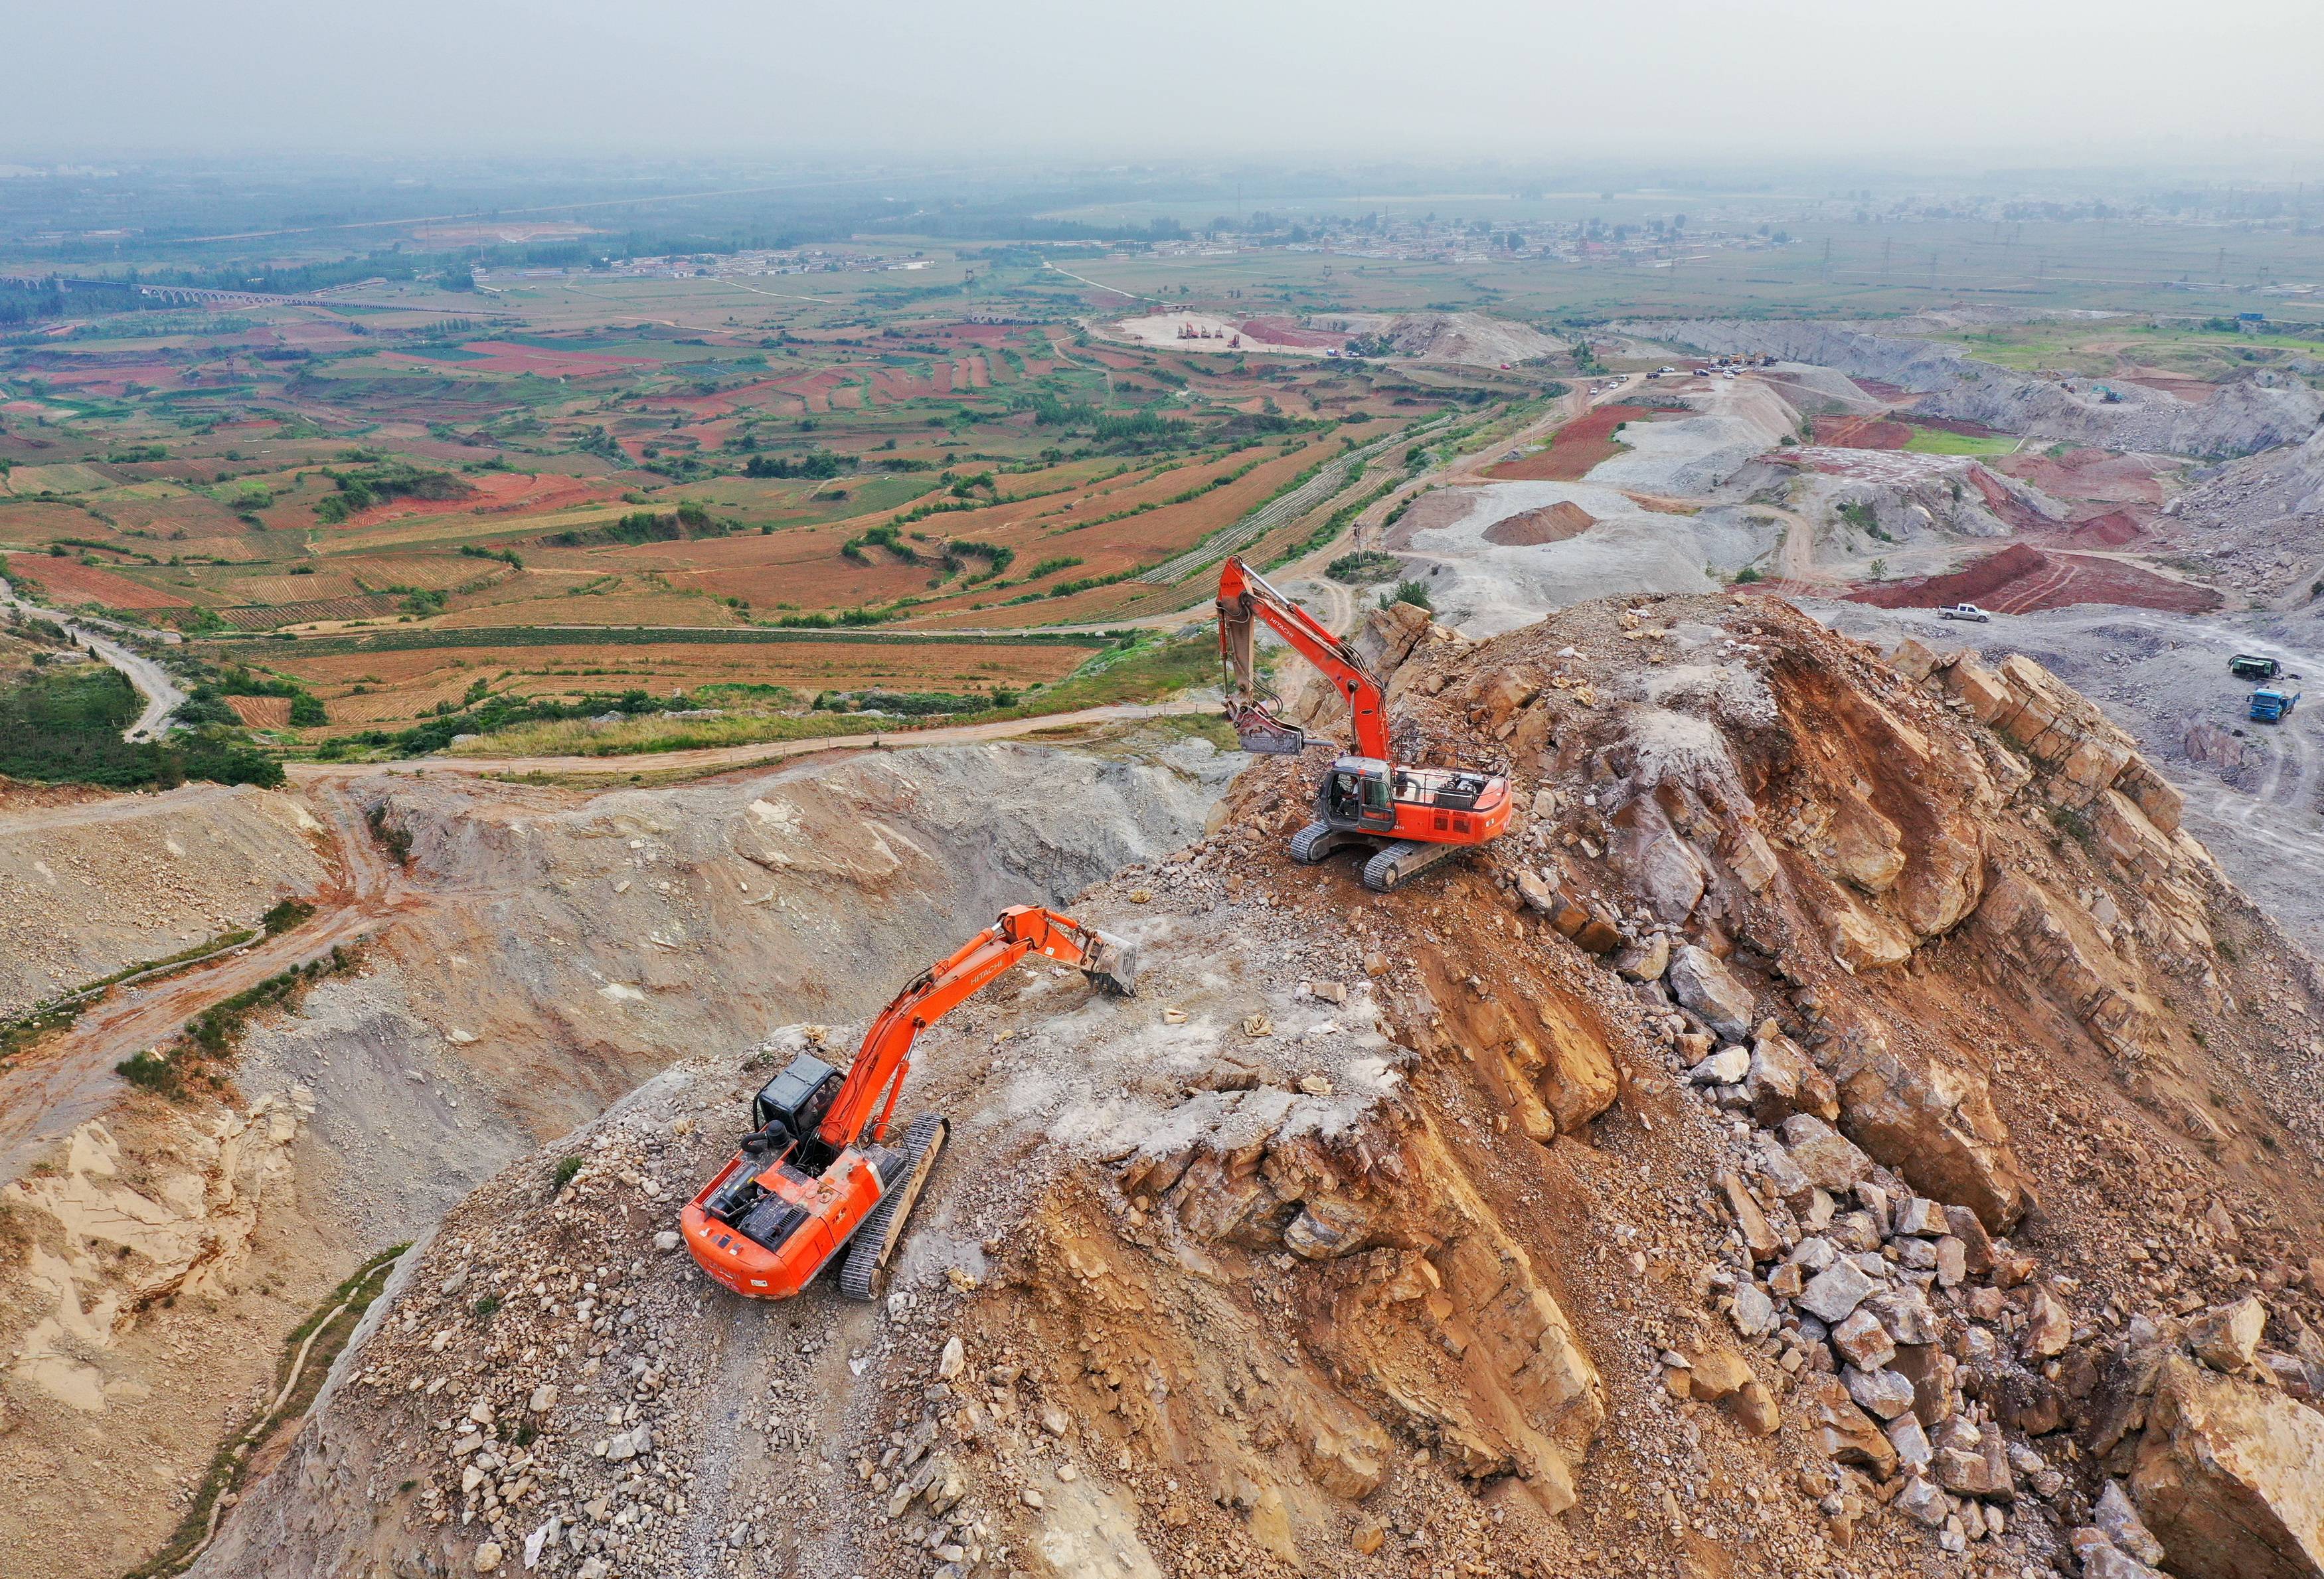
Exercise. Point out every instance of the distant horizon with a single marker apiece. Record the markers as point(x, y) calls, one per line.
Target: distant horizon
point(2067, 83)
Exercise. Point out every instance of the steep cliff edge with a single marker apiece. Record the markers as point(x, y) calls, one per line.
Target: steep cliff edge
point(548, 951)
point(1846, 1123)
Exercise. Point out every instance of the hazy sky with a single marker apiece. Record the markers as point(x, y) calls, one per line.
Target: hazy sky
point(2063, 81)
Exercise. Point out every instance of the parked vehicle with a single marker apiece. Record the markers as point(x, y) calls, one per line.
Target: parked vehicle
point(2251, 666)
point(2272, 703)
point(1963, 610)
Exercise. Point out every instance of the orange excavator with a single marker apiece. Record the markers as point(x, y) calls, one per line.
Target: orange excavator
point(1411, 818)
point(816, 1175)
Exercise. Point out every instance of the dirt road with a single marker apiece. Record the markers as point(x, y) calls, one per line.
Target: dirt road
point(71, 1079)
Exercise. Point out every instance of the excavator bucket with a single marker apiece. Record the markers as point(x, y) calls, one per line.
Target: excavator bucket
point(1261, 731)
point(1112, 965)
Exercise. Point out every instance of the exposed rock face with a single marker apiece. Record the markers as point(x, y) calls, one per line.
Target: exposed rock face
point(2227, 1478)
point(1432, 1271)
point(1711, 991)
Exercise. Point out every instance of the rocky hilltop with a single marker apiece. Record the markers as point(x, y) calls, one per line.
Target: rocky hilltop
point(2241, 418)
point(1847, 1127)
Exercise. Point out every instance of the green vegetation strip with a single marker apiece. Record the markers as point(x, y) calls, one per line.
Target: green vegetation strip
point(60, 1011)
point(307, 1358)
point(247, 651)
point(1144, 671)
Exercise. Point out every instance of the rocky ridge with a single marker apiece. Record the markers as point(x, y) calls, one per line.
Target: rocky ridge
point(1828, 1135)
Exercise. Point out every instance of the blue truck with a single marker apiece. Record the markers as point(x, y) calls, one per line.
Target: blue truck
point(2272, 703)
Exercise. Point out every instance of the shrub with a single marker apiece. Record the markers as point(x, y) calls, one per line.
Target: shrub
point(286, 914)
point(151, 1071)
point(1355, 569)
point(1411, 592)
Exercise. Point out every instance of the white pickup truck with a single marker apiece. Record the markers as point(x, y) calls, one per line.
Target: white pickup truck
point(1963, 610)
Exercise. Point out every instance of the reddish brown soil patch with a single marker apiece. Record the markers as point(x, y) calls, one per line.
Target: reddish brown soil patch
point(1552, 524)
point(1282, 331)
point(1862, 433)
point(2020, 579)
point(262, 712)
point(2086, 475)
point(1576, 447)
point(70, 582)
point(2112, 530)
point(2193, 390)
point(507, 358)
point(1881, 390)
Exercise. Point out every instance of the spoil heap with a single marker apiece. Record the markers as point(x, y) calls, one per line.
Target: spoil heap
point(1844, 1130)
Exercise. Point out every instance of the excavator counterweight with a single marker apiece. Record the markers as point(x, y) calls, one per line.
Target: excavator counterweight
point(1410, 818)
point(816, 1175)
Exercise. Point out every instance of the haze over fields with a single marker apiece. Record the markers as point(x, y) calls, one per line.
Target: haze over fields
point(2065, 82)
point(554, 558)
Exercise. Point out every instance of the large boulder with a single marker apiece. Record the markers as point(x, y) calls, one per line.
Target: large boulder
point(1704, 984)
point(1934, 1123)
point(2225, 1477)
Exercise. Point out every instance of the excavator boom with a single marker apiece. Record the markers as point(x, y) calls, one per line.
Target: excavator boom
point(816, 1175)
point(1022, 929)
point(1246, 601)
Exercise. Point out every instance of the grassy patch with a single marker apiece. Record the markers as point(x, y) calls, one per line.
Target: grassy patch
point(63, 726)
point(1361, 569)
point(286, 914)
point(55, 1015)
point(1940, 441)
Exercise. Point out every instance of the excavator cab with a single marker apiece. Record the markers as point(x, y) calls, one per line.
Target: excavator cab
point(1358, 794)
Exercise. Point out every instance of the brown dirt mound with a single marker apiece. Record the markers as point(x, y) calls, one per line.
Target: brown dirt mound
point(2112, 530)
point(2020, 579)
point(1553, 524)
point(1862, 433)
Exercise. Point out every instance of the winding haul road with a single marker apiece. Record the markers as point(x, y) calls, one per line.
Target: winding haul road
point(162, 696)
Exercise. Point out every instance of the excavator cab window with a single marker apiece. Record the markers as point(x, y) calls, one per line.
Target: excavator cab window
point(799, 1096)
point(1377, 802)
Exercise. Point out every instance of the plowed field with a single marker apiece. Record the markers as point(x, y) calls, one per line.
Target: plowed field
point(70, 582)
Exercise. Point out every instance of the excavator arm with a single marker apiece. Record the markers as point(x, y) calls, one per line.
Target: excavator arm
point(877, 1076)
point(1246, 601)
